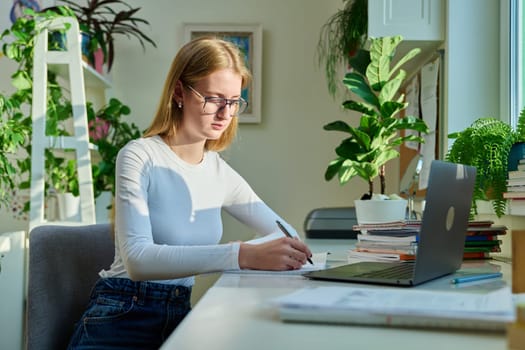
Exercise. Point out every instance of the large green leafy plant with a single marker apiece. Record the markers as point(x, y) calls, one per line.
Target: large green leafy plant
point(376, 138)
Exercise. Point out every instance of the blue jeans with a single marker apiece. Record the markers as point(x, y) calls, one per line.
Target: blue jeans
point(123, 314)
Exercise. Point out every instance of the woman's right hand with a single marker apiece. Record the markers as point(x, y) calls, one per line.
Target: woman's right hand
point(280, 254)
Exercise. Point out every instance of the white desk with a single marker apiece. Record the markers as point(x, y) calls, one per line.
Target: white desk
point(235, 315)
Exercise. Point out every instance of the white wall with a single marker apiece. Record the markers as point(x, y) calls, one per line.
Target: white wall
point(285, 156)
point(472, 70)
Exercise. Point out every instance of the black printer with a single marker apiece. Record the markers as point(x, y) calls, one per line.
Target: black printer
point(331, 223)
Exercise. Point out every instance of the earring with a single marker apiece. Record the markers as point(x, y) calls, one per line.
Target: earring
point(180, 105)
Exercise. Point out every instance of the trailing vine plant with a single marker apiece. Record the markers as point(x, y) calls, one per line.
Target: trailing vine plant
point(15, 117)
point(340, 40)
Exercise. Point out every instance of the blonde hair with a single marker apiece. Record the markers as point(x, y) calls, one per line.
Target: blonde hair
point(194, 61)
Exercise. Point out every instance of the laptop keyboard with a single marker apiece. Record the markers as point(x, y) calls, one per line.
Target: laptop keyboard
point(398, 271)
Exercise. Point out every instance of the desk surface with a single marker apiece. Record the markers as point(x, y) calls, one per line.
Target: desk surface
point(236, 314)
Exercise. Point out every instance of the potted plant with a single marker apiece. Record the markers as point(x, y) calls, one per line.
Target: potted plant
point(101, 22)
point(341, 38)
point(109, 132)
point(374, 141)
point(487, 144)
point(16, 120)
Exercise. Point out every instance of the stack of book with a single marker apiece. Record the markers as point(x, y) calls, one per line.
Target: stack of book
point(483, 239)
point(516, 189)
point(397, 241)
point(393, 241)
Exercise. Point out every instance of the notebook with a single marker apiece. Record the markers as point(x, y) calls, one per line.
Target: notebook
point(441, 237)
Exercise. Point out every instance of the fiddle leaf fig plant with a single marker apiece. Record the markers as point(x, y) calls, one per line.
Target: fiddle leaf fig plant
point(376, 138)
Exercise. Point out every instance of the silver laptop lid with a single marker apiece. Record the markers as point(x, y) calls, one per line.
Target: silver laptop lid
point(445, 220)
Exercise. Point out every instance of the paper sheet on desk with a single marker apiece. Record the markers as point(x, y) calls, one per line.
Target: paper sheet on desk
point(319, 260)
point(402, 307)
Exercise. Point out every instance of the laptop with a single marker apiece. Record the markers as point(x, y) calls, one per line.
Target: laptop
point(441, 237)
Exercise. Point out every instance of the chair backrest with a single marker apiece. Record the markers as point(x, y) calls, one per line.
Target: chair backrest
point(64, 262)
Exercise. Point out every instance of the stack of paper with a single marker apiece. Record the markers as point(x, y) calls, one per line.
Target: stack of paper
point(399, 307)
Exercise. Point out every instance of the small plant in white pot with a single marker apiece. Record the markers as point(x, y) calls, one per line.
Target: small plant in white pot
point(376, 138)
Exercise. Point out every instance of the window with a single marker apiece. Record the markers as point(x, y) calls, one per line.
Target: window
point(513, 72)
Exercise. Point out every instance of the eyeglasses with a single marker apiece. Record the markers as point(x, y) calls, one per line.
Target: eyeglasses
point(213, 105)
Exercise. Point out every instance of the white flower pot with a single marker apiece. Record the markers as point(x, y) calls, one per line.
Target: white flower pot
point(68, 207)
point(375, 211)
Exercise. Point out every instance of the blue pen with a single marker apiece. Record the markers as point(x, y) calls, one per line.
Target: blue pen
point(473, 278)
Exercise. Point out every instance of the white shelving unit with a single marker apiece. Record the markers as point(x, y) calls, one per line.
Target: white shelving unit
point(69, 62)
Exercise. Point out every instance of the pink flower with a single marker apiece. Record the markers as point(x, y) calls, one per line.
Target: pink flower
point(98, 129)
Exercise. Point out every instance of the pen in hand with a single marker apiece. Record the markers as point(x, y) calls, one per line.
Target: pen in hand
point(285, 231)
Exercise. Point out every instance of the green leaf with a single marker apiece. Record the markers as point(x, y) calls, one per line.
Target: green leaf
point(361, 137)
point(21, 80)
point(390, 108)
point(390, 88)
point(346, 172)
point(333, 169)
point(381, 54)
point(338, 125)
point(12, 52)
point(411, 54)
point(348, 149)
point(357, 84)
point(385, 156)
point(358, 107)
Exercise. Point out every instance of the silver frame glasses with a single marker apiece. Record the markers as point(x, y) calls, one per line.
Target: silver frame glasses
point(221, 103)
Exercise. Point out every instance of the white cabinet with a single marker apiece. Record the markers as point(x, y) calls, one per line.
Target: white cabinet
point(418, 20)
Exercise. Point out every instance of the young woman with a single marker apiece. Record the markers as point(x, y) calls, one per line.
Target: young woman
point(171, 187)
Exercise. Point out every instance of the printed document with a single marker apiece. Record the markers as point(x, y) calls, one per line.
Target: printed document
point(399, 307)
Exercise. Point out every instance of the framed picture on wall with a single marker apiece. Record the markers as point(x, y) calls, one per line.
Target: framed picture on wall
point(249, 39)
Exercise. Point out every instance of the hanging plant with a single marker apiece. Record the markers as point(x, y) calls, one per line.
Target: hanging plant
point(341, 38)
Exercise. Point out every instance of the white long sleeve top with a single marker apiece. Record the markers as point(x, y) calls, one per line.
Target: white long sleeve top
point(168, 214)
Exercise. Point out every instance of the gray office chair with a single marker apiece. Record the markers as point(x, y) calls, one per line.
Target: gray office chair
point(64, 262)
